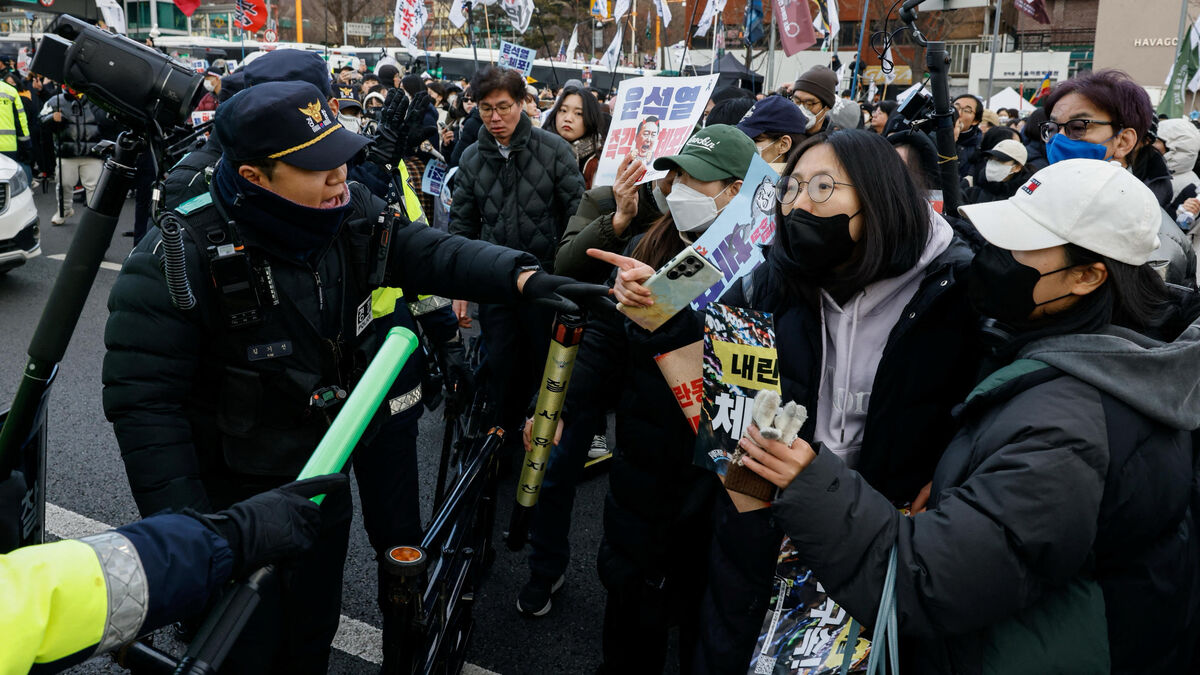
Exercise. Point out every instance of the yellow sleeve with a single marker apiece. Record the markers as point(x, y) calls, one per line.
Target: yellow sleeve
point(53, 604)
point(24, 121)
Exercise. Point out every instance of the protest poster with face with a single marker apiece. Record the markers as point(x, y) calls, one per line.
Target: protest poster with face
point(652, 117)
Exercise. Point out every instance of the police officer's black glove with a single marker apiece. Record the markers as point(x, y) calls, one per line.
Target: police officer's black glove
point(276, 524)
point(565, 294)
point(12, 496)
point(414, 123)
point(388, 146)
point(460, 380)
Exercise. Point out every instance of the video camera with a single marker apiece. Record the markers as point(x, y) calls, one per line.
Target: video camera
point(916, 112)
point(144, 89)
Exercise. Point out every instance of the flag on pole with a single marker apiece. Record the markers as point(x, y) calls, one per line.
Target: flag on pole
point(250, 15)
point(609, 60)
point(1184, 74)
point(573, 44)
point(600, 8)
point(754, 21)
point(1034, 9)
point(458, 12)
point(188, 7)
point(871, 91)
point(1042, 91)
point(795, 25)
point(826, 22)
point(620, 9)
point(711, 10)
point(664, 11)
point(890, 76)
point(408, 20)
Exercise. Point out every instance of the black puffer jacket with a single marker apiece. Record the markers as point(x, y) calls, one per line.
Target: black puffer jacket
point(929, 364)
point(522, 202)
point(655, 490)
point(83, 125)
point(1059, 521)
point(185, 404)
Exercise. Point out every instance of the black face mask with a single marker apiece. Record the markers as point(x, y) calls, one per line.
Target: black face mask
point(816, 244)
point(1001, 288)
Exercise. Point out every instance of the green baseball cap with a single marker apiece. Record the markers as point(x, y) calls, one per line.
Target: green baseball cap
point(715, 152)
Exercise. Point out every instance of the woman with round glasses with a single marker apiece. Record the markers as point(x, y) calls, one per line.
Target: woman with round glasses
point(1106, 115)
point(875, 339)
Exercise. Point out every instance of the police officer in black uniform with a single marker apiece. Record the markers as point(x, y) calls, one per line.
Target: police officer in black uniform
point(386, 461)
point(214, 403)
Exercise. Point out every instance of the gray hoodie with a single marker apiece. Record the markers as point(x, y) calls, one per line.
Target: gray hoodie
point(1160, 381)
point(855, 336)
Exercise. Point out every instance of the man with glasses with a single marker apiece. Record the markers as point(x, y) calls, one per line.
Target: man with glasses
point(516, 186)
point(815, 92)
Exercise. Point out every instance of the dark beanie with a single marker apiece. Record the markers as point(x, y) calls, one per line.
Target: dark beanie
point(821, 82)
point(387, 74)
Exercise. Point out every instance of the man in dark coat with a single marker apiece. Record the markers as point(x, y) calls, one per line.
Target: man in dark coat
point(517, 186)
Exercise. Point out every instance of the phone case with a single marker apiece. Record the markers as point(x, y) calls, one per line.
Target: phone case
point(673, 287)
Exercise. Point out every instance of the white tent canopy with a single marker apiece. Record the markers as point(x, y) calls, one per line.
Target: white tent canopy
point(1009, 98)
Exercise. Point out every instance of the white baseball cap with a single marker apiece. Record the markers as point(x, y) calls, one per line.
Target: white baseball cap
point(1010, 149)
point(1091, 203)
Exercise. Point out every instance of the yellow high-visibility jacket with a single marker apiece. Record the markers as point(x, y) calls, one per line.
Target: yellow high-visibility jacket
point(13, 123)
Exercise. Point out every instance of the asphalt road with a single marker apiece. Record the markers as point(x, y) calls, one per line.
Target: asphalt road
point(86, 477)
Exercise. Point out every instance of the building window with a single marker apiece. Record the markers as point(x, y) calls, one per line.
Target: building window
point(170, 17)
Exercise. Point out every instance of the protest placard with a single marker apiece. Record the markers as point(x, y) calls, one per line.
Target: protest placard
point(733, 243)
point(433, 178)
point(653, 117)
point(516, 57)
point(739, 361)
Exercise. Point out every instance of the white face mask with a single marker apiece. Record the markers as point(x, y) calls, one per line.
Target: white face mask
point(208, 85)
point(809, 116)
point(996, 171)
point(763, 149)
point(1004, 119)
point(691, 209)
point(660, 200)
point(350, 122)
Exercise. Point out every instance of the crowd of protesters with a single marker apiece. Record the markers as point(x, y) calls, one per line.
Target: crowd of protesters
point(1020, 376)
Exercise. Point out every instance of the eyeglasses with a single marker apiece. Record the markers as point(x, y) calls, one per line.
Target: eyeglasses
point(503, 109)
point(820, 188)
point(813, 105)
point(1074, 129)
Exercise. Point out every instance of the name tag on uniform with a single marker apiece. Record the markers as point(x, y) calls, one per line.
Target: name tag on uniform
point(363, 317)
point(269, 351)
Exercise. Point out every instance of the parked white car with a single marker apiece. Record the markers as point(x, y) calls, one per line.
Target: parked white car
point(19, 237)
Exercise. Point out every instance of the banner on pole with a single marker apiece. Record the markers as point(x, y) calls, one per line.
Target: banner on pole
point(621, 9)
point(458, 13)
point(516, 57)
point(795, 26)
point(408, 21)
point(600, 8)
point(664, 11)
point(711, 10)
point(652, 117)
point(609, 60)
point(573, 44)
point(519, 13)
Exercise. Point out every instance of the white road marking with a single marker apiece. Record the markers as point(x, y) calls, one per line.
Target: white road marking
point(116, 267)
point(353, 637)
